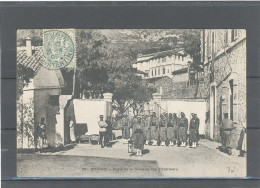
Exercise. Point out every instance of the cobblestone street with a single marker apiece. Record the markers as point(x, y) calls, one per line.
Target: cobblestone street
point(86, 160)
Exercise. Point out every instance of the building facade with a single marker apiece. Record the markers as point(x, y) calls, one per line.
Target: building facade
point(223, 52)
point(162, 64)
point(40, 99)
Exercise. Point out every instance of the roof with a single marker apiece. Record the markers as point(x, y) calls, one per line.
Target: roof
point(141, 72)
point(153, 79)
point(180, 71)
point(161, 54)
point(34, 61)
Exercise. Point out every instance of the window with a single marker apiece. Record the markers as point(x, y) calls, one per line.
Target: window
point(226, 37)
point(155, 72)
point(182, 58)
point(163, 70)
point(158, 71)
point(54, 100)
point(232, 35)
point(179, 57)
point(152, 72)
point(213, 41)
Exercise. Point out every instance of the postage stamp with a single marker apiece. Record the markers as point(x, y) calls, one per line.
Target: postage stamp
point(58, 49)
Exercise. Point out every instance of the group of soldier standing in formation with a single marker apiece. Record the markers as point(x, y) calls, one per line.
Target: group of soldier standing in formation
point(168, 130)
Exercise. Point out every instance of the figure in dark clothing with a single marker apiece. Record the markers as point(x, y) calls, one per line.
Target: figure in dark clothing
point(125, 127)
point(146, 128)
point(109, 130)
point(163, 129)
point(194, 124)
point(175, 122)
point(183, 127)
point(138, 137)
point(154, 123)
point(170, 130)
point(226, 128)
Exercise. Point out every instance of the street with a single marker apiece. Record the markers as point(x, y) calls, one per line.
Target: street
point(86, 160)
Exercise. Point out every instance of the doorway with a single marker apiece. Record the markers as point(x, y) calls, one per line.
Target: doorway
point(212, 111)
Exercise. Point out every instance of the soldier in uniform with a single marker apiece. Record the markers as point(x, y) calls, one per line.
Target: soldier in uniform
point(183, 126)
point(146, 128)
point(194, 124)
point(170, 130)
point(125, 127)
point(198, 122)
point(154, 129)
point(163, 130)
point(226, 128)
point(176, 129)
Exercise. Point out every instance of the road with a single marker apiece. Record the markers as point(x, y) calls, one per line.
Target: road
point(86, 160)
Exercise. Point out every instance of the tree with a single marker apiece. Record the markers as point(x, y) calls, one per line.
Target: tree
point(191, 44)
point(24, 74)
point(91, 61)
point(129, 91)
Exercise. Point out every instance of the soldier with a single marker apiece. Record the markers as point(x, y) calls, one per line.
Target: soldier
point(170, 130)
point(183, 126)
point(176, 129)
point(102, 131)
point(125, 127)
point(146, 128)
point(163, 129)
point(198, 134)
point(138, 137)
point(225, 131)
point(194, 124)
point(154, 129)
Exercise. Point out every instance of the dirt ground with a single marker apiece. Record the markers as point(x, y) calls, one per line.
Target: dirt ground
point(86, 160)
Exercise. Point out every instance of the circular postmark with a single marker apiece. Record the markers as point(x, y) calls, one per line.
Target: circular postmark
point(58, 48)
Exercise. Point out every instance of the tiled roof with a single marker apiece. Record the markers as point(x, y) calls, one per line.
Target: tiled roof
point(34, 61)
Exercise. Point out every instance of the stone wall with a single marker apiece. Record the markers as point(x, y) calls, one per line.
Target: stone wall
point(230, 69)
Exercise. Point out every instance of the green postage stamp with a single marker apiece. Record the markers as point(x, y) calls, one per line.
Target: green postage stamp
point(58, 48)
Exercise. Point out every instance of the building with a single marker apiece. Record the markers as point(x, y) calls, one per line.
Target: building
point(162, 64)
point(40, 99)
point(223, 52)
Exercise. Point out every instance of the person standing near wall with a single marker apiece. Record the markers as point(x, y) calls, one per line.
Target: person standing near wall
point(102, 131)
point(198, 128)
point(183, 126)
point(146, 128)
point(154, 129)
point(170, 130)
point(176, 129)
point(125, 127)
point(226, 128)
point(163, 129)
point(72, 130)
point(193, 131)
point(109, 130)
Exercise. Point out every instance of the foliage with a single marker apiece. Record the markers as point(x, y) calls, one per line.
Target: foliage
point(105, 67)
point(25, 123)
point(191, 44)
point(24, 74)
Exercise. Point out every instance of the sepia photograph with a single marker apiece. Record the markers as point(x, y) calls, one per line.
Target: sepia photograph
point(131, 103)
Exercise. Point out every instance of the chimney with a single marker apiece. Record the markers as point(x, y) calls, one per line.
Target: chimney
point(29, 46)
